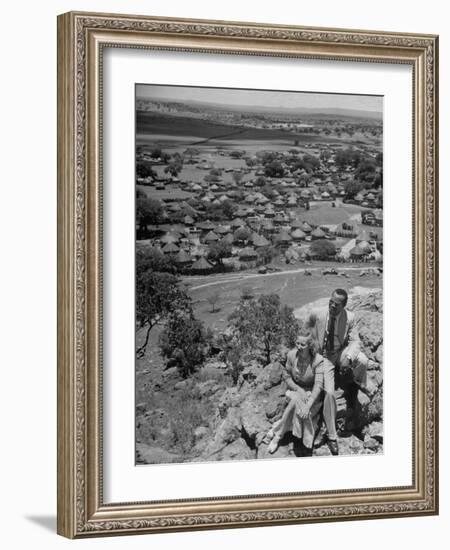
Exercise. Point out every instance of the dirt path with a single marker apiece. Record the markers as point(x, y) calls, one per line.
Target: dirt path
point(276, 274)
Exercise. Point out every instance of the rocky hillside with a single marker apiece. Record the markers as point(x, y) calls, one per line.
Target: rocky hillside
point(204, 418)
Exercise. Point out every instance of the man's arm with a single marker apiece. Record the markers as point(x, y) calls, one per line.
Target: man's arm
point(353, 346)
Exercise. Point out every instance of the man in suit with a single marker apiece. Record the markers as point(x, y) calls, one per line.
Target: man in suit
point(339, 340)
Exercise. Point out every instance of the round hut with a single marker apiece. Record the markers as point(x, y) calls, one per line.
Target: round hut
point(318, 234)
point(201, 266)
point(298, 235)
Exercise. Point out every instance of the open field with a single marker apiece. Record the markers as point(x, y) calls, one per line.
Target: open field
point(294, 287)
point(171, 192)
point(199, 129)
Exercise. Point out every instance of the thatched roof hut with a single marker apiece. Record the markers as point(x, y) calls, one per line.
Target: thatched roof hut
point(170, 248)
point(298, 234)
point(206, 225)
point(247, 254)
point(357, 252)
point(211, 237)
point(201, 266)
point(318, 233)
point(183, 258)
point(259, 241)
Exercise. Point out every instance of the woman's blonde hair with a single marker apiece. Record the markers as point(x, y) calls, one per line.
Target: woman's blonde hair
point(309, 330)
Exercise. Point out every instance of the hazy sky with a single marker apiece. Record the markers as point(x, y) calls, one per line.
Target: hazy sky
point(255, 98)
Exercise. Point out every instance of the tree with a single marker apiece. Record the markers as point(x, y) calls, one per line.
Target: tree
point(237, 177)
point(322, 248)
point(184, 342)
point(218, 251)
point(145, 171)
point(214, 212)
point(325, 154)
point(352, 188)
point(266, 156)
point(174, 167)
point(156, 152)
point(150, 258)
point(268, 191)
point(267, 254)
point(260, 181)
point(242, 234)
point(213, 299)
point(347, 157)
point(148, 211)
point(157, 296)
point(263, 324)
point(274, 169)
point(191, 152)
point(311, 162)
point(296, 163)
point(366, 171)
point(229, 208)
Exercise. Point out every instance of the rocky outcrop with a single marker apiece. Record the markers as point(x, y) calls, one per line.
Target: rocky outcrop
point(245, 413)
point(204, 419)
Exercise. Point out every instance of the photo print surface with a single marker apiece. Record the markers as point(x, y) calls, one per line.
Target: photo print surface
point(258, 273)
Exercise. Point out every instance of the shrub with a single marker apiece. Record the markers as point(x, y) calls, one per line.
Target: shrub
point(263, 325)
point(184, 342)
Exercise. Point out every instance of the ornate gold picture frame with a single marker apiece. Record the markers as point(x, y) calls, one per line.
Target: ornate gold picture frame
point(82, 40)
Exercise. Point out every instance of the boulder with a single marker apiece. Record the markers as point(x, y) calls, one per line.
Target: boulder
point(201, 432)
point(375, 431)
point(231, 397)
point(366, 300)
point(374, 381)
point(271, 375)
point(375, 408)
point(363, 399)
point(208, 388)
point(371, 443)
point(253, 417)
point(250, 372)
point(237, 450)
point(229, 429)
point(274, 408)
point(379, 354)
point(350, 445)
point(370, 328)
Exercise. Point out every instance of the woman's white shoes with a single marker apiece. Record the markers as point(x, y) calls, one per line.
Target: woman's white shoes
point(273, 445)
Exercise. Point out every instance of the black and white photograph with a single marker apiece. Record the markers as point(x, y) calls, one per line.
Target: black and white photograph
point(258, 274)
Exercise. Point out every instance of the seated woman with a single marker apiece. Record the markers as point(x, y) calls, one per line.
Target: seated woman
point(310, 381)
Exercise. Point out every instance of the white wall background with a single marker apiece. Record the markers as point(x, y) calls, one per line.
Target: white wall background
point(28, 271)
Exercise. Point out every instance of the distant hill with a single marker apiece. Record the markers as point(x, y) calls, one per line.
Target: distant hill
point(313, 113)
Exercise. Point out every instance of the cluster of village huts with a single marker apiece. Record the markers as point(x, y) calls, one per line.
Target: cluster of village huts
point(260, 228)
